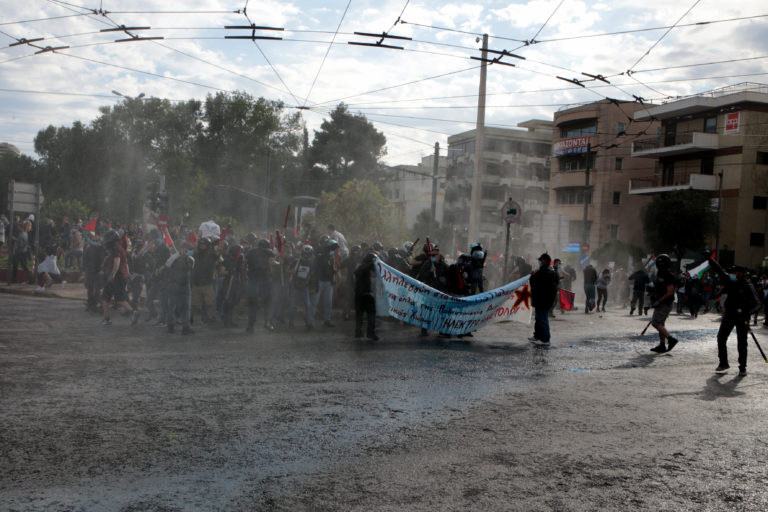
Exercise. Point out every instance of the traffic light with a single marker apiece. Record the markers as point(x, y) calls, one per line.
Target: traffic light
point(163, 201)
point(152, 195)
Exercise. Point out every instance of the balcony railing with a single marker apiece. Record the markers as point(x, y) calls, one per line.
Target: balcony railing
point(665, 182)
point(684, 142)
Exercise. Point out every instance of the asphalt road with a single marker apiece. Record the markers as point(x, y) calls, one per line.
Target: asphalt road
point(132, 419)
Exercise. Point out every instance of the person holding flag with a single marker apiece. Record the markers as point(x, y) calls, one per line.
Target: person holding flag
point(740, 303)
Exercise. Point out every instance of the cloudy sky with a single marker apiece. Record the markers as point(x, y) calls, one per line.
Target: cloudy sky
point(418, 95)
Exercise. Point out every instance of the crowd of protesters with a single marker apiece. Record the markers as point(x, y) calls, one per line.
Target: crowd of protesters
point(203, 274)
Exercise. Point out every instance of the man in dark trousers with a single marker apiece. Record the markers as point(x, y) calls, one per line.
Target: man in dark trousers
point(740, 303)
point(543, 289)
point(590, 281)
point(639, 280)
point(664, 296)
point(365, 303)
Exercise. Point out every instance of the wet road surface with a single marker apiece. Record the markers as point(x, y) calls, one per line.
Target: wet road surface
point(132, 418)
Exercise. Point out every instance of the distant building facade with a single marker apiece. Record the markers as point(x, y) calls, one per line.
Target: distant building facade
point(710, 141)
point(8, 149)
point(515, 166)
point(409, 188)
point(595, 139)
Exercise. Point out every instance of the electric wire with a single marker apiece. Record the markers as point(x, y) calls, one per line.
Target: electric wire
point(327, 51)
point(695, 3)
point(533, 39)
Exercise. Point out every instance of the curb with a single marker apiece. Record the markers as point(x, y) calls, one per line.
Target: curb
point(33, 293)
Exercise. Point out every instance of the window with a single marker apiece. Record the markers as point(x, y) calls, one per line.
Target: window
point(619, 163)
point(756, 239)
point(621, 129)
point(579, 129)
point(759, 202)
point(613, 229)
point(577, 162)
point(572, 195)
point(762, 157)
point(710, 125)
point(668, 174)
point(492, 192)
point(617, 197)
point(708, 165)
point(576, 229)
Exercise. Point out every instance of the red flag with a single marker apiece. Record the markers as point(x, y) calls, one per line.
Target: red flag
point(192, 238)
point(280, 244)
point(714, 254)
point(295, 234)
point(223, 234)
point(168, 240)
point(91, 226)
point(271, 243)
point(566, 299)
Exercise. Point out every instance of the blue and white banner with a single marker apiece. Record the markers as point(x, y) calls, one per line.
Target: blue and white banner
point(418, 304)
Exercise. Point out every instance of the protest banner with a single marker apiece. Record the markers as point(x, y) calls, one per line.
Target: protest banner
point(418, 304)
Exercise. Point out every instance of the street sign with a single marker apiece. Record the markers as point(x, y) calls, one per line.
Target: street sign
point(585, 248)
point(24, 197)
point(511, 212)
point(162, 221)
point(573, 247)
point(584, 260)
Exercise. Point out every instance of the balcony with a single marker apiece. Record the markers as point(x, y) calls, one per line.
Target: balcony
point(665, 182)
point(685, 142)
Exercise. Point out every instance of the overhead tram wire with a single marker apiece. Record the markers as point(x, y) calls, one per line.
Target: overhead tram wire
point(399, 85)
point(533, 39)
point(327, 51)
point(695, 3)
point(274, 70)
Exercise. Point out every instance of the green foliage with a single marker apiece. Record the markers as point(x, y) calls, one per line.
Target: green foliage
point(679, 221)
point(360, 211)
point(619, 252)
point(346, 147)
point(58, 208)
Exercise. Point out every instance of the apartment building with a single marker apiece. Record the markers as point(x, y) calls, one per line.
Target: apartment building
point(409, 188)
point(594, 140)
point(515, 165)
point(716, 142)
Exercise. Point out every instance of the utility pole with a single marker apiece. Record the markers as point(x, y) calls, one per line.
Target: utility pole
point(474, 206)
point(433, 225)
point(719, 216)
point(585, 226)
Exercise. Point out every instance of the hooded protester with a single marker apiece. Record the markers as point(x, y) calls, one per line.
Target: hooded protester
point(740, 303)
point(365, 302)
point(664, 296)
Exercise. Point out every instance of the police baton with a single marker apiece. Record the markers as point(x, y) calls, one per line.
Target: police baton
point(646, 327)
point(756, 343)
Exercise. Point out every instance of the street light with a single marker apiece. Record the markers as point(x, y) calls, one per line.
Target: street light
point(118, 93)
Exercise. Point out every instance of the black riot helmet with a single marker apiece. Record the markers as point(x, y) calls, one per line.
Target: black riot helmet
point(331, 245)
point(111, 237)
point(307, 250)
point(377, 246)
point(477, 246)
point(663, 262)
point(234, 250)
point(263, 243)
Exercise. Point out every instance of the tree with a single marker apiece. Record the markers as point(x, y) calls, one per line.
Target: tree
point(360, 211)
point(346, 147)
point(679, 221)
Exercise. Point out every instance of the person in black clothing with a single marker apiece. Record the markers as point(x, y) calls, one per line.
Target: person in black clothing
point(365, 301)
point(740, 303)
point(639, 280)
point(693, 295)
point(664, 295)
point(233, 269)
point(180, 267)
point(458, 278)
point(590, 282)
point(203, 276)
point(543, 284)
point(476, 266)
point(259, 261)
point(324, 272)
point(299, 278)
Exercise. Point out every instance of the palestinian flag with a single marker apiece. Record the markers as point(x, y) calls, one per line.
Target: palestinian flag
point(698, 270)
point(650, 264)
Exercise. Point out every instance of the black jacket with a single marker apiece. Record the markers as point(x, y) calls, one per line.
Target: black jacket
point(742, 298)
point(543, 287)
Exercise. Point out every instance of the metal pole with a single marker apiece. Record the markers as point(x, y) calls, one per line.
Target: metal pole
point(506, 255)
point(719, 217)
point(585, 226)
point(474, 206)
point(433, 225)
point(11, 242)
point(265, 209)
